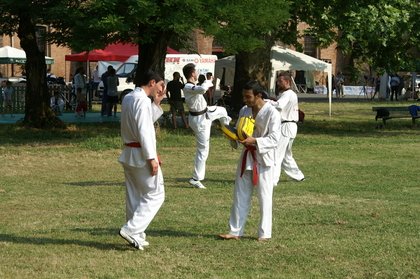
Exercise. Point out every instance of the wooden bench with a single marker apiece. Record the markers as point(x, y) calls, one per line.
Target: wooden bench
point(386, 113)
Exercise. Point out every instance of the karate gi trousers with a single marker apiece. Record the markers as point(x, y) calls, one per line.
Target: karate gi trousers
point(201, 125)
point(144, 197)
point(242, 201)
point(286, 161)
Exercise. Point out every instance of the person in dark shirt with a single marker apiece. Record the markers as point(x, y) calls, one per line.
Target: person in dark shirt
point(173, 92)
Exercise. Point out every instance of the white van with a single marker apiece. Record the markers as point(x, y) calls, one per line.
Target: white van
point(173, 63)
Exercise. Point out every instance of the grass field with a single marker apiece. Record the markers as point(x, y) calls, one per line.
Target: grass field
point(357, 215)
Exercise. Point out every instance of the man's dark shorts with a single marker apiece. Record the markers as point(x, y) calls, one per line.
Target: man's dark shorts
point(178, 106)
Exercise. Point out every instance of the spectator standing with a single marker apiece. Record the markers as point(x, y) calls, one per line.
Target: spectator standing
point(112, 91)
point(394, 82)
point(96, 79)
point(377, 83)
point(173, 93)
point(339, 83)
point(256, 165)
point(104, 79)
point(80, 87)
point(287, 105)
point(210, 91)
point(143, 176)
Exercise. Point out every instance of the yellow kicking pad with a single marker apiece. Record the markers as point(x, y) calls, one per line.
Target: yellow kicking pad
point(245, 129)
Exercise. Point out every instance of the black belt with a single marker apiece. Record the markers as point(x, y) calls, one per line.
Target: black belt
point(288, 121)
point(197, 113)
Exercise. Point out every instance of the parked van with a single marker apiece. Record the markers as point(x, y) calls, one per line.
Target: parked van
point(173, 63)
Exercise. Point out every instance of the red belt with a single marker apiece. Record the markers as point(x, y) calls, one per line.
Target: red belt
point(133, 144)
point(138, 145)
point(251, 149)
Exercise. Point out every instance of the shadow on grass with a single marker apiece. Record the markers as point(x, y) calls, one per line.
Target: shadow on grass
point(150, 232)
point(172, 233)
point(106, 135)
point(186, 185)
point(357, 128)
point(57, 241)
point(95, 183)
point(16, 135)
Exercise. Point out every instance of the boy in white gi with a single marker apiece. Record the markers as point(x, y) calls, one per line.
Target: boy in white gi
point(200, 119)
point(255, 166)
point(143, 176)
point(287, 105)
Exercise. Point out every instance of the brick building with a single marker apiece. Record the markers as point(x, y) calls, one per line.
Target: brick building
point(60, 67)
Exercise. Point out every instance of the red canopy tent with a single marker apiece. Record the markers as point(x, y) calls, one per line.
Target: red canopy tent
point(112, 52)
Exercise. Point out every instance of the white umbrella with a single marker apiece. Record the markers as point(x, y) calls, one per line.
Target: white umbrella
point(11, 55)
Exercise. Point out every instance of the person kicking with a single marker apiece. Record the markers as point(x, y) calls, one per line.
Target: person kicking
point(200, 119)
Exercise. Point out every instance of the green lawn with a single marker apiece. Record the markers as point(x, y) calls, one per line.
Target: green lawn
point(357, 215)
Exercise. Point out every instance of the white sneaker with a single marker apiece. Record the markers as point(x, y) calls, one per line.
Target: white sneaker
point(144, 241)
point(196, 184)
point(134, 239)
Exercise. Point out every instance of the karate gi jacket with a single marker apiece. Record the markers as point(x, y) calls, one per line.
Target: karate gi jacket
point(194, 95)
point(267, 134)
point(287, 105)
point(138, 114)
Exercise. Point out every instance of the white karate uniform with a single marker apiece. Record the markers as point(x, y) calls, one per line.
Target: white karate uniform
point(287, 105)
point(267, 134)
point(144, 193)
point(201, 124)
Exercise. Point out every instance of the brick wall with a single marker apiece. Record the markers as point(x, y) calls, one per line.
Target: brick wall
point(59, 68)
point(204, 44)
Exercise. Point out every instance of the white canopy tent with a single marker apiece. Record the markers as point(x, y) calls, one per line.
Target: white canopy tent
point(11, 55)
point(282, 59)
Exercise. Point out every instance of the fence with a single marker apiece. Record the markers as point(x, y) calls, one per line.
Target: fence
point(18, 97)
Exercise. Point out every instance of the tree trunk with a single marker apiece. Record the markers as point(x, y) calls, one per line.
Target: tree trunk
point(38, 113)
point(250, 66)
point(152, 56)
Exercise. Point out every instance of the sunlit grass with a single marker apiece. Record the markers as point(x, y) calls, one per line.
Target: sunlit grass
point(355, 216)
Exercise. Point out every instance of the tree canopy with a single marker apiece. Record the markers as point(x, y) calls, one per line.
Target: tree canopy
point(383, 33)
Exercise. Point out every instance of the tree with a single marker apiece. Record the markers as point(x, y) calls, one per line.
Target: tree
point(384, 34)
point(246, 29)
point(237, 25)
point(160, 24)
point(82, 24)
point(22, 17)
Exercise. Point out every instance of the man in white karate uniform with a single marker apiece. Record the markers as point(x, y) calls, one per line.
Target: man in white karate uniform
point(143, 176)
point(200, 119)
point(287, 105)
point(255, 166)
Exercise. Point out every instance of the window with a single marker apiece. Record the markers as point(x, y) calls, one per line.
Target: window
point(40, 34)
point(310, 46)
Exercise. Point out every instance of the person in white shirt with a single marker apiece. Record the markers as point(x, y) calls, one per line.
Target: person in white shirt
point(80, 90)
point(287, 105)
point(95, 81)
point(80, 80)
point(143, 176)
point(200, 119)
point(256, 164)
